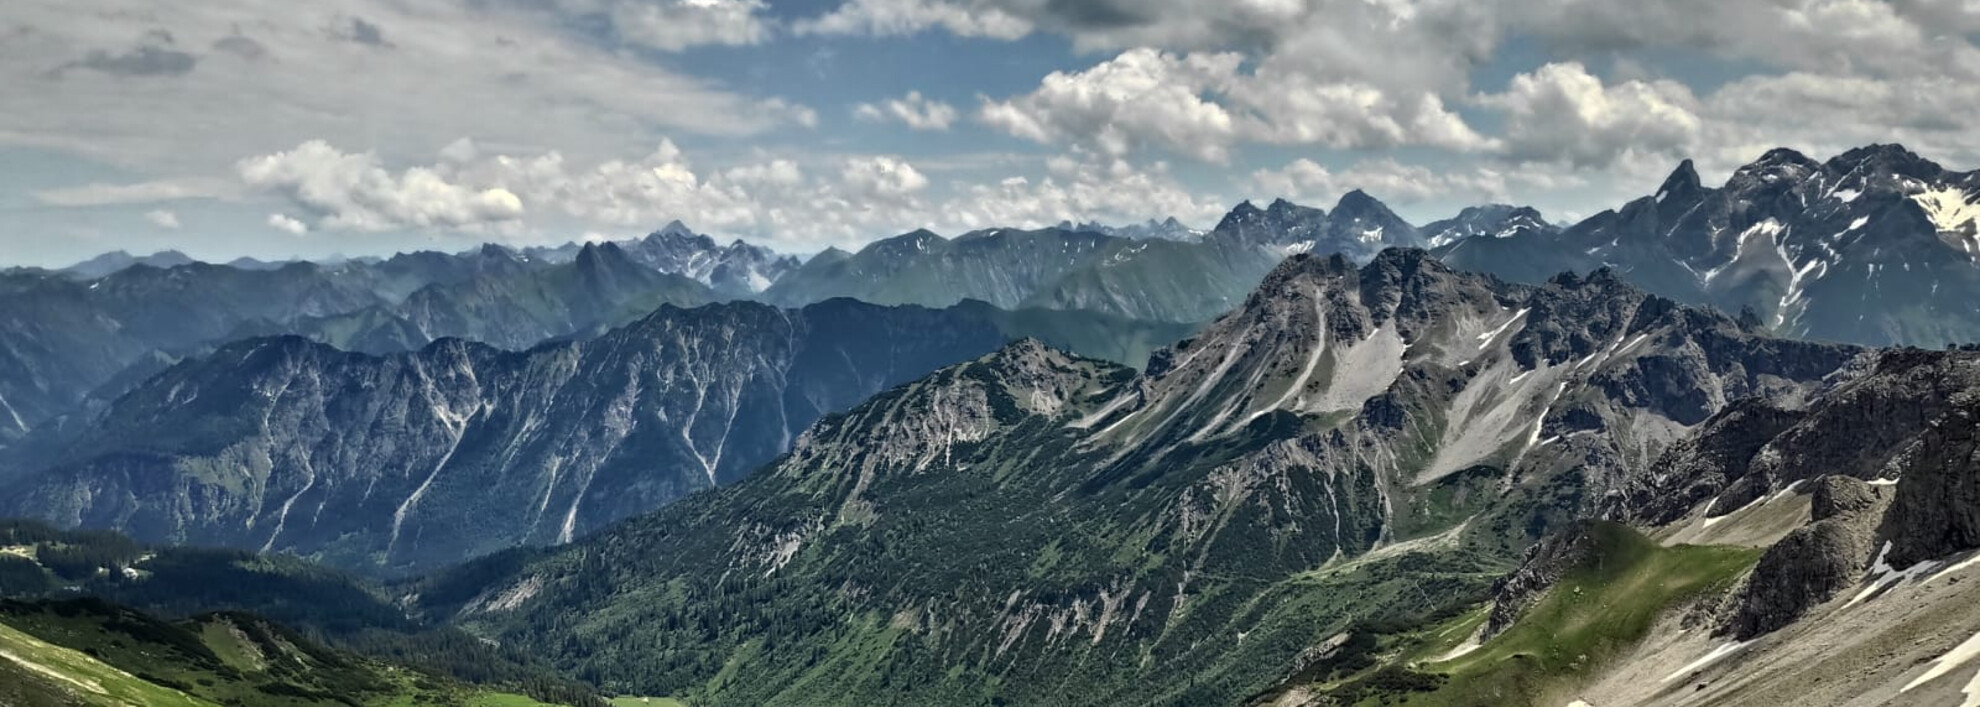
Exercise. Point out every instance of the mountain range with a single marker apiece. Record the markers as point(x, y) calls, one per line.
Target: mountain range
point(408, 461)
point(1665, 455)
point(1148, 278)
point(1875, 246)
point(1036, 527)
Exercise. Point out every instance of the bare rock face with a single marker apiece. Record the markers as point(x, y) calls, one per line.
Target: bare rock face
point(1815, 562)
point(1545, 563)
point(1699, 467)
point(1879, 416)
point(1937, 511)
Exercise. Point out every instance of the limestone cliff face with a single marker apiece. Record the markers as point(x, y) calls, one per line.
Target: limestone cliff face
point(1937, 511)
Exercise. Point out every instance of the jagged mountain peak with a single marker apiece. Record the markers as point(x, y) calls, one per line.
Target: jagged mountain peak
point(1494, 220)
point(678, 235)
point(1284, 206)
point(607, 259)
point(1356, 200)
point(594, 253)
point(1777, 164)
point(1891, 157)
point(1683, 182)
point(674, 228)
point(1280, 215)
point(496, 253)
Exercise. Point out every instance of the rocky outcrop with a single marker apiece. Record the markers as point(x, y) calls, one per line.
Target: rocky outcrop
point(1542, 567)
point(1702, 465)
point(1813, 563)
point(1937, 511)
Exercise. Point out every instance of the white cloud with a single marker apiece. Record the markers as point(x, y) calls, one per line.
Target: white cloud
point(1560, 112)
point(775, 201)
point(162, 219)
point(843, 200)
point(1203, 104)
point(898, 17)
point(1142, 97)
point(353, 192)
point(1083, 187)
point(287, 224)
point(1290, 110)
point(913, 110)
point(1826, 114)
point(883, 177)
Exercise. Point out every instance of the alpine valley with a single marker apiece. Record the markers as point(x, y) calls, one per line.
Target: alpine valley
point(1716, 446)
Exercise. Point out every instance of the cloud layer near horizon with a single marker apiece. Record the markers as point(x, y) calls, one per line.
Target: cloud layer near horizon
point(541, 122)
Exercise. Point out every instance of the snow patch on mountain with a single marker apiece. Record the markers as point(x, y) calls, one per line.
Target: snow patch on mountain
point(1953, 212)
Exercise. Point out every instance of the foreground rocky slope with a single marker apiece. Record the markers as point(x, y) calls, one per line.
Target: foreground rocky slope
point(1801, 552)
point(1352, 445)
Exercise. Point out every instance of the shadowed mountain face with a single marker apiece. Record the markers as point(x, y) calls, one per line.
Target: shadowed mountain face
point(63, 340)
point(412, 460)
point(1875, 246)
point(1350, 442)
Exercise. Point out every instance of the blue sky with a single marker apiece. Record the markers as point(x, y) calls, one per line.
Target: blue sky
point(233, 127)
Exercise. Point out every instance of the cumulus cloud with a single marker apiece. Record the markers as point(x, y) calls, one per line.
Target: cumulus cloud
point(162, 219)
point(287, 224)
point(912, 110)
point(842, 200)
point(1081, 187)
point(352, 191)
point(1561, 112)
point(1142, 97)
point(1374, 74)
point(882, 177)
point(1202, 104)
